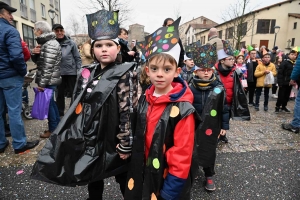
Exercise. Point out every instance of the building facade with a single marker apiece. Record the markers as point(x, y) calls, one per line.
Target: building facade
point(136, 32)
point(190, 34)
point(275, 24)
point(31, 11)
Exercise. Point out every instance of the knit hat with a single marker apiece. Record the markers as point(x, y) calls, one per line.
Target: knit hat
point(205, 56)
point(226, 51)
point(275, 48)
point(103, 25)
point(163, 40)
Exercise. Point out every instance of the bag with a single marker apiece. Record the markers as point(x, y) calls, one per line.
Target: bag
point(41, 104)
point(269, 79)
point(244, 83)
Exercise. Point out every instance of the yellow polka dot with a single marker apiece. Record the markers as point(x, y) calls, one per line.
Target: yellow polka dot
point(130, 184)
point(174, 111)
point(155, 163)
point(153, 197)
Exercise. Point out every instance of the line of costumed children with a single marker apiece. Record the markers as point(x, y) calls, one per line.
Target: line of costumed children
point(161, 134)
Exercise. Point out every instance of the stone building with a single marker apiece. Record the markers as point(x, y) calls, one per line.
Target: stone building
point(137, 32)
point(31, 11)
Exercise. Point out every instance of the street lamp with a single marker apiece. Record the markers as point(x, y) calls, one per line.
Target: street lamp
point(52, 15)
point(276, 30)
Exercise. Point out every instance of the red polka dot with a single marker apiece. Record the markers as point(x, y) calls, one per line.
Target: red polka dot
point(208, 132)
point(157, 38)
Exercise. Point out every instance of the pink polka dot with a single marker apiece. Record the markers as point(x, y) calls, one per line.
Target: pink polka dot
point(165, 46)
point(208, 132)
point(157, 38)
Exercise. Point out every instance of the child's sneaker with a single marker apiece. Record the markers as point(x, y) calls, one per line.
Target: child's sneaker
point(210, 185)
point(285, 109)
point(223, 138)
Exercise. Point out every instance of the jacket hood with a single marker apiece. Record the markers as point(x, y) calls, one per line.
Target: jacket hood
point(185, 69)
point(179, 93)
point(45, 37)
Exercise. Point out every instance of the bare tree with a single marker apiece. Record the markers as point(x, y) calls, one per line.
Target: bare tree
point(240, 20)
point(77, 30)
point(124, 8)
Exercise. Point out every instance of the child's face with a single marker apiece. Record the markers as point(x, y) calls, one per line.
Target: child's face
point(106, 51)
point(161, 74)
point(266, 59)
point(279, 59)
point(293, 56)
point(189, 63)
point(228, 62)
point(204, 73)
point(240, 60)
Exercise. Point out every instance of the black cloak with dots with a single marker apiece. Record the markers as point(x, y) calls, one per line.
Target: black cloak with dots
point(144, 180)
point(82, 148)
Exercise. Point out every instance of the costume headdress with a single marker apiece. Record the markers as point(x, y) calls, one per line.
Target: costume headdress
point(163, 40)
point(226, 51)
point(265, 52)
point(205, 56)
point(296, 48)
point(249, 48)
point(103, 24)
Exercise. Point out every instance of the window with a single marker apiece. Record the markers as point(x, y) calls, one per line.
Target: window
point(23, 2)
point(23, 9)
point(28, 35)
point(265, 26)
point(229, 33)
point(51, 2)
point(31, 4)
point(242, 29)
point(220, 34)
point(295, 25)
point(43, 10)
point(293, 42)
point(56, 5)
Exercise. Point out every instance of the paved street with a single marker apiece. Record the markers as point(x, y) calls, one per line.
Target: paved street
point(261, 161)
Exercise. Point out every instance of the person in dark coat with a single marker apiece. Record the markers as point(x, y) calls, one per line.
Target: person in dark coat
point(93, 140)
point(283, 79)
point(127, 55)
point(210, 104)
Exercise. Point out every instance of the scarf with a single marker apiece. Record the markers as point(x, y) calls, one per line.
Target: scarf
point(61, 40)
point(202, 84)
point(224, 71)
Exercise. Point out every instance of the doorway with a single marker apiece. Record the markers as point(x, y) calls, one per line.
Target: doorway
point(264, 43)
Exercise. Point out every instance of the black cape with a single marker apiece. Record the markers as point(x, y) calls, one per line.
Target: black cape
point(82, 148)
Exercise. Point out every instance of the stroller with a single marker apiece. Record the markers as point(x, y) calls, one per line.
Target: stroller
point(26, 108)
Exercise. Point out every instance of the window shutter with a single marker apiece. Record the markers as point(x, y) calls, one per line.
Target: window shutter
point(273, 23)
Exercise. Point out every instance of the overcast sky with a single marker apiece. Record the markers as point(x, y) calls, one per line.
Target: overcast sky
point(151, 13)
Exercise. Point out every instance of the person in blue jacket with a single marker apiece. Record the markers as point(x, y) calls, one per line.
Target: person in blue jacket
point(12, 72)
point(294, 126)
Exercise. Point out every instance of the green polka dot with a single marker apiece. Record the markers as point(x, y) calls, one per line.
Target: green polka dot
point(213, 113)
point(155, 163)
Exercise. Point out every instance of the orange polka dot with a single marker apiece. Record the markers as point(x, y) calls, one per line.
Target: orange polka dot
point(166, 171)
point(78, 109)
point(130, 184)
point(174, 40)
point(153, 197)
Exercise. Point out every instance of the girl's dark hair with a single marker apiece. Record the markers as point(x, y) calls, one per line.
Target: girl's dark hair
point(122, 29)
point(166, 21)
point(276, 60)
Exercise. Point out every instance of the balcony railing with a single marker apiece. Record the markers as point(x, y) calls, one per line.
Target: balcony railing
point(23, 10)
point(32, 15)
point(51, 2)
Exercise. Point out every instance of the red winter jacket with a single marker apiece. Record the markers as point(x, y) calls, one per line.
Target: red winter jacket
point(228, 82)
point(180, 155)
point(26, 51)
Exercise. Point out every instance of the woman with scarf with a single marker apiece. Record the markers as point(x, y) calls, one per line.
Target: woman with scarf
point(127, 55)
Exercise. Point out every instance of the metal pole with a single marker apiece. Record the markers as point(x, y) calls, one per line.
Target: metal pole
point(275, 40)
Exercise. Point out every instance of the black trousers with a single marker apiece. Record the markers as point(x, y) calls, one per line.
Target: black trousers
point(274, 88)
point(96, 188)
point(266, 94)
point(67, 84)
point(283, 96)
point(251, 90)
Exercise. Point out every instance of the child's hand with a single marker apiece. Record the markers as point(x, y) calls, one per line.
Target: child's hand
point(223, 132)
point(123, 156)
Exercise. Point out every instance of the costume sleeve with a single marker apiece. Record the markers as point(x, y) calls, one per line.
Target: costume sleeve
point(123, 90)
point(179, 158)
point(258, 72)
point(280, 74)
point(14, 47)
point(296, 70)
